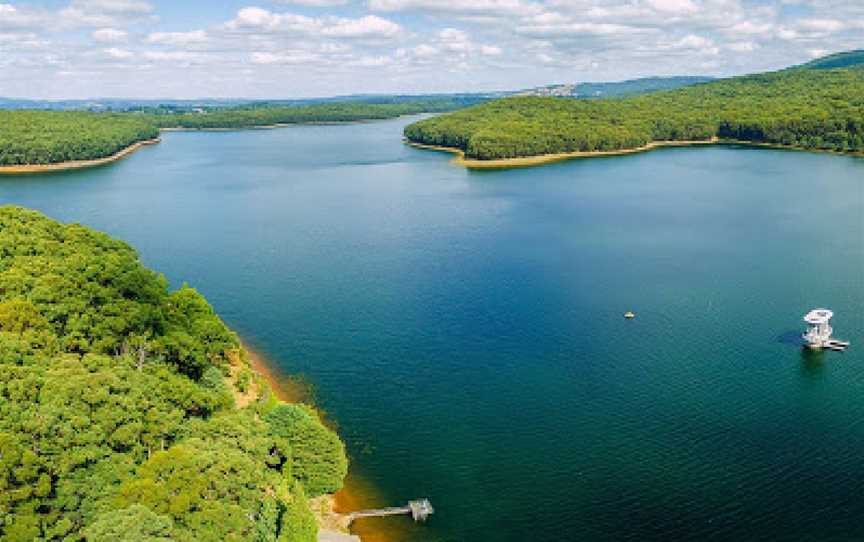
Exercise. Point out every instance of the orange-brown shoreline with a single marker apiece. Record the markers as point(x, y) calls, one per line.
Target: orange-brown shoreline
point(357, 492)
point(460, 159)
point(536, 160)
point(77, 164)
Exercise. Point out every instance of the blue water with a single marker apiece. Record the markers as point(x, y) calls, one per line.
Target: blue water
point(465, 330)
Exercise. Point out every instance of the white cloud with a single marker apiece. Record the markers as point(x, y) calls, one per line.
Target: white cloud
point(750, 28)
point(178, 38)
point(22, 40)
point(576, 28)
point(691, 41)
point(816, 53)
point(176, 56)
point(104, 13)
point(295, 57)
point(483, 7)
point(676, 7)
point(742, 46)
point(372, 61)
point(114, 52)
point(317, 3)
point(368, 26)
point(821, 25)
point(358, 46)
point(12, 17)
point(364, 27)
point(424, 51)
point(109, 35)
point(113, 7)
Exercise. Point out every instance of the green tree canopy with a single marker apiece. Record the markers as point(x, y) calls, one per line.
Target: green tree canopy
point(318, 455)
point(813, 109)
point(116, 422)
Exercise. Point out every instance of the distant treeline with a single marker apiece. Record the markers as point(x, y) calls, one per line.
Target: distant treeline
point(30, 137)
point(266, 115)
point(813, 109)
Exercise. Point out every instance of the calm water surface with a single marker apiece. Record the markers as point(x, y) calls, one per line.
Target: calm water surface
point(465, 328)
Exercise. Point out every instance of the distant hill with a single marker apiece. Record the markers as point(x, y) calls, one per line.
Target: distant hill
point(846, 59)
point(630, 87)
point(633, 87)
point(455, 100)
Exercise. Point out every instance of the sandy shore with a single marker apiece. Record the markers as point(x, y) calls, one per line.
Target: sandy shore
point(357, 493)
point(527, 161)
point(77, 164)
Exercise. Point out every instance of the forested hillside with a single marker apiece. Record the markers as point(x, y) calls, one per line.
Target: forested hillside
point(813, 109)
point(48, 137)
point(29, 137)
point(633, 87)
point(117, 406)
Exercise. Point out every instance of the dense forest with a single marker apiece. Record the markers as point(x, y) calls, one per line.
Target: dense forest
point(30, 137)
point(118, 406)
point(48, 137)
point(813, 109)
point(267, 115)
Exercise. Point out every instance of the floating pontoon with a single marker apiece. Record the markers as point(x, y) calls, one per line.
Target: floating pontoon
point(818, 336)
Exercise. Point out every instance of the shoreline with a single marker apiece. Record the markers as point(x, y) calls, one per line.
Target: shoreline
point(78, 164)
point(81, 164)
point(355, 494)
point(542, 159)
point(285, 125)
point(459, 158)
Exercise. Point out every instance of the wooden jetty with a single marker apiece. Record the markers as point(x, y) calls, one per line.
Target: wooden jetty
point(419, 510)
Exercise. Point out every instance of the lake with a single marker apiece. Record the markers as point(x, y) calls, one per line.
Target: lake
point(465, 329)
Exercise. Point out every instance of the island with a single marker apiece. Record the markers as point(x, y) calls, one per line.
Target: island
point(128, 411)
point(817, 106)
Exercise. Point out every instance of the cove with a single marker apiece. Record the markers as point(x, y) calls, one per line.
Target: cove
point(465, 330)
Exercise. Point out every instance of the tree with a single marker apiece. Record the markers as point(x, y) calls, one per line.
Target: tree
point(318, 456)
point(133, 524)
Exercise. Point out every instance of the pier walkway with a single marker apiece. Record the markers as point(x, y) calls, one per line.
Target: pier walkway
point(419, 510)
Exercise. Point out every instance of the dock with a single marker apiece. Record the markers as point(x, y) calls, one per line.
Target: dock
point(419, 509)
point(836, 345)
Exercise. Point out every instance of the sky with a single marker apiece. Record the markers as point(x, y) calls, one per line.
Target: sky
point(63, 49)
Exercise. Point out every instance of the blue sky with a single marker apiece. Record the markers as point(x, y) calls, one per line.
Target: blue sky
point(301, 48)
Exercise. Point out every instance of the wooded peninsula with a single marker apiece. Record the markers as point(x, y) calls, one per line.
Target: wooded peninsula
point(807, 107)
point(129, 412)
point(30, 137)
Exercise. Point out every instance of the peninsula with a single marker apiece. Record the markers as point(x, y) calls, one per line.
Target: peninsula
point(131, 412)
point(816, 106)
point(35, 141)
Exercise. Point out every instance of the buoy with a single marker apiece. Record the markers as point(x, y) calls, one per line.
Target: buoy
point(629, 315)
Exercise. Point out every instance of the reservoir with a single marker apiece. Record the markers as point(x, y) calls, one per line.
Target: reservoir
point(465, 329)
